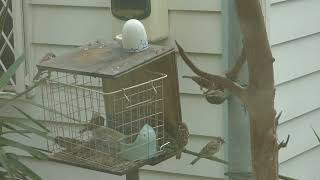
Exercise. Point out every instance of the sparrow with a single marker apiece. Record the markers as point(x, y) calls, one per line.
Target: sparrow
point(67, 143)
point(108, 134)
point(182, 138)
point(96, 121)
point(215, 96)
point(48, 57)
point(210, 149)
point(202, 82)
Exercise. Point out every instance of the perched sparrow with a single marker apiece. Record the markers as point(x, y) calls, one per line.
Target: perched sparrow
point(96, 121)
point(182, 138)
point(215, 96)
point(202, 82)
point(48, 57)
point(67, 143)
point(210, 149)
point(105, 133)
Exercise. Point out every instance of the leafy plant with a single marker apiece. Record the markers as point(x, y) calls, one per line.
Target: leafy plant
point(11, 166)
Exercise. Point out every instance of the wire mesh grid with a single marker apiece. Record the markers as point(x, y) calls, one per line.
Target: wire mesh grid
point(109, 129)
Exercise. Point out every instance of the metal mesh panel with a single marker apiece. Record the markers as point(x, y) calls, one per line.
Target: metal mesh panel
point(82, 128)
point(6, 40)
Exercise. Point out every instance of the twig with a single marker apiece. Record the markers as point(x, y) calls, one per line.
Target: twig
point(209, 158)
point(286, 177)
point(234, 72)
point(220, 81)
point(283, 144)
point(316, 134)
point(278, 117)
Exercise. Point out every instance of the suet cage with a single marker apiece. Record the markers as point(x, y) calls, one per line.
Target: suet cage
point(110, 110)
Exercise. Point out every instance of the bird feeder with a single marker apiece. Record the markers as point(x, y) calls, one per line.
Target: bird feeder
point(111, 110)
point(152, 13)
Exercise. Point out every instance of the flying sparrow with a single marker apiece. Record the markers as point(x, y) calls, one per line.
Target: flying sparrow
point(210, 149)
point(215, 96)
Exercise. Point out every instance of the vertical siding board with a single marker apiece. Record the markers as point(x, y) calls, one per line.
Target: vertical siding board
point(294, 19)
point(70, 25)
point(304, 166)
point(294, 35)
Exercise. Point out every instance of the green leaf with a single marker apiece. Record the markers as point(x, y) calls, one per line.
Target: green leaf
point(31, 119)
point(21, 167)
point(18, 123)
point(5, 78)
point(21, 132)
point(8, 102)
point(12, 129)
point(42, 107)
point(33, 152)
point(5, 163)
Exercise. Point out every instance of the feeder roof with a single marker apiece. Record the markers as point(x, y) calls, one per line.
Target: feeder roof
point(105, 60)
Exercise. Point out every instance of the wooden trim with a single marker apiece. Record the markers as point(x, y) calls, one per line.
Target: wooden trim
point(17, 15)
point(277, 1)
point(78, 3)
point(192, 5)
point(187, 5)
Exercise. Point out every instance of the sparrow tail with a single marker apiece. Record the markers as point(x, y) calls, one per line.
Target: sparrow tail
point(178, 156)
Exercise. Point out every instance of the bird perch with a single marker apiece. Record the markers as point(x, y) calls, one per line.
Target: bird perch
point(258, 96)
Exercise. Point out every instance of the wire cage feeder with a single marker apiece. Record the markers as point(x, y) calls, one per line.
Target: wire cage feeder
point(110, 110)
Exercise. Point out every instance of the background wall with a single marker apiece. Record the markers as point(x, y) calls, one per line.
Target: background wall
point(295, 37)
point(59, 25)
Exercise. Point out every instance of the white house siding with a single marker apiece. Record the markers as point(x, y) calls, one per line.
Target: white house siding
point(60, 25)
point(295, 37)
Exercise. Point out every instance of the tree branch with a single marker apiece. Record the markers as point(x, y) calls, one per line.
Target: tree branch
point(219, 81)
point(209, 158)
point(283, 144)
point(234, 72)
point(277, 118)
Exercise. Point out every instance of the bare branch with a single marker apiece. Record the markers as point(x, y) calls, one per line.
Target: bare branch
point(209, 158)
point(234, 72)
point(220, 81)
point(278, 117)
point(283, 144)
